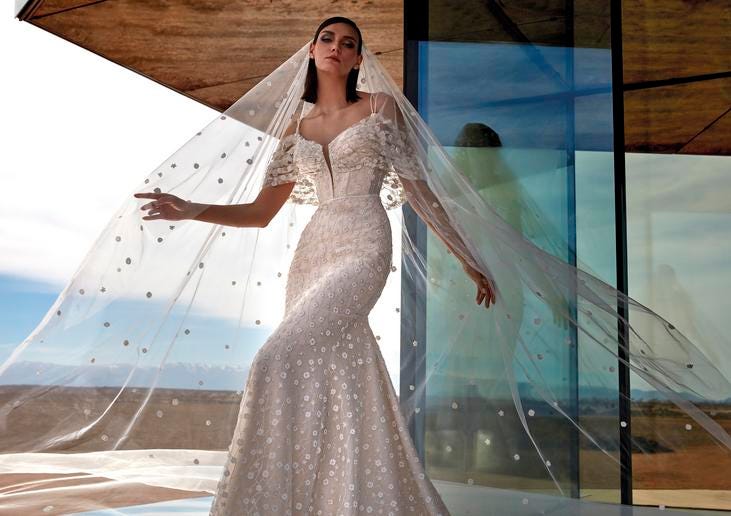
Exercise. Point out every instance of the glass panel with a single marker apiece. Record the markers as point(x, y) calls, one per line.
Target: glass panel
point(679, 230)
point(528, 117)
point(678, 174)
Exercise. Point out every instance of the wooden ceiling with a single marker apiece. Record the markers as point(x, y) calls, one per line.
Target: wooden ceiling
point(213, 51)
point(677, 53)
point(677, 76)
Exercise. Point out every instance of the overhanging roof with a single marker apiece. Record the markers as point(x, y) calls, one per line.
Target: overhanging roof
point(677, 75)
point(213, 51)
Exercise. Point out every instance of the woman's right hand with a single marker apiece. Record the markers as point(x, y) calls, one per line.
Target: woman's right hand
point(165, 206)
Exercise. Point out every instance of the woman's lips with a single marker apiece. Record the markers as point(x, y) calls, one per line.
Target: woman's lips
point(333, 58)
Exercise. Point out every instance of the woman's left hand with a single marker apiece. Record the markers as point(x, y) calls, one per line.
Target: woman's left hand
point(485, 288)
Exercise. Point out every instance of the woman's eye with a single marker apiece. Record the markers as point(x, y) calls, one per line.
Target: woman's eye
point(349, 44)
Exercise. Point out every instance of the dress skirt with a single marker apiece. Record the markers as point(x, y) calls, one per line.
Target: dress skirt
point(319, 429)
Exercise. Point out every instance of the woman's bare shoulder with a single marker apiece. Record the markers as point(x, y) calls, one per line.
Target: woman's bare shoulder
point(381, 99)
point(383, 103)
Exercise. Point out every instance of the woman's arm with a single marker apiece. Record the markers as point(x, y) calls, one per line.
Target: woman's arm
point(426, 205)
point(258, 214)
point(411, 187)
point(255, 214)
point(437, 221)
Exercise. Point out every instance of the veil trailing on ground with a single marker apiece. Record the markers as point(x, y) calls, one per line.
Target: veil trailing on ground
point(129, 388)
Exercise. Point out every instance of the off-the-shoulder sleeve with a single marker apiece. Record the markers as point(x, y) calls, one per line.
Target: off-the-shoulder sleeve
point(404, 156)
point(282, 168)
point(393, 194)
point(411, 172)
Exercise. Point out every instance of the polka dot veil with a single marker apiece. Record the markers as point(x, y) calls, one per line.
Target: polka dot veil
point(137, 372)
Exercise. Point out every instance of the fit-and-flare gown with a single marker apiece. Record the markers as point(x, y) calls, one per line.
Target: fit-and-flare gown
point(319, 429)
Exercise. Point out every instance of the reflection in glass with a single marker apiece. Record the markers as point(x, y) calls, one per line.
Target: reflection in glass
point(679, 232)
point(539, 151)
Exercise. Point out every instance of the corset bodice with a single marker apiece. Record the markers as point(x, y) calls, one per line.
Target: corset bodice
point(351, 164)
point(354, 163)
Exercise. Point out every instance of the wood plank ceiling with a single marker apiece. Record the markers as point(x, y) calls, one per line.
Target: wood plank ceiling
point(677, 55)
point(213, 51)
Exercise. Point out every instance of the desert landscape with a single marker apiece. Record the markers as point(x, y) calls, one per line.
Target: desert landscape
point(454, 444)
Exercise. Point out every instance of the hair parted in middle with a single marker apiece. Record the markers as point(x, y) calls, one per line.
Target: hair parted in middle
point(351, 95)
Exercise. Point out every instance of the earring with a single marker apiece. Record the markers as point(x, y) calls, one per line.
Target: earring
point(356, 67)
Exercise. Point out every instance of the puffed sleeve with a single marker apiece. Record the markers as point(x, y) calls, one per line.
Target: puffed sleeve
point(281, 168)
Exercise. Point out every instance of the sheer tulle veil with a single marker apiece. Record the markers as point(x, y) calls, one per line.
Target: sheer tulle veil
point(136, 371)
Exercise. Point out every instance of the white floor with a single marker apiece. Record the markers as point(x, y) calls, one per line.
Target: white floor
point(462, 501)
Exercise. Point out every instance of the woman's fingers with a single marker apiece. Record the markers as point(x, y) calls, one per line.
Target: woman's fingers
point(171, 208)
point(161, 197)
point(149, 195)
point(155, 204)
point(168, 200)
point(488, 292)
point(151, 205)
point(485, 292)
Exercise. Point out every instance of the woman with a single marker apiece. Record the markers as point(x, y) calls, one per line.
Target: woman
point(138, 359)
point(338, 271)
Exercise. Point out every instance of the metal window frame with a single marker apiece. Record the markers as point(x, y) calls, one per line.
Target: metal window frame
point(620, 224)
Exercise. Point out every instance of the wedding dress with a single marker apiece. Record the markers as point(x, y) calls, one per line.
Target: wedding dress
point(178, 359)
point(320, 430)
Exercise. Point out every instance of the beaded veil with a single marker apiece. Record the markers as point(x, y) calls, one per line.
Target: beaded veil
point(135, 373)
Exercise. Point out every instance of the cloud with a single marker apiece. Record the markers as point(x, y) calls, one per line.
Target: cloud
point(82, 131)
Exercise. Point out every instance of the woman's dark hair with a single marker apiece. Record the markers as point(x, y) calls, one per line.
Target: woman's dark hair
point(475, 134)
point(310, 94)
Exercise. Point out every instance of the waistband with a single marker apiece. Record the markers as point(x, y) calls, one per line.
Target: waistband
point(343, 197)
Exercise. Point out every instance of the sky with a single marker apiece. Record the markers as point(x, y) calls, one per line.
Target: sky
point(87, 133)
point(78, 133)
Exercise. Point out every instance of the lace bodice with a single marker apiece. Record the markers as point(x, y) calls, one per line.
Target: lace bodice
point(356, 162)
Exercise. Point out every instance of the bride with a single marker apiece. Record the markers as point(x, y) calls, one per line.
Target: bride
point(320, 437)
point(136, 367)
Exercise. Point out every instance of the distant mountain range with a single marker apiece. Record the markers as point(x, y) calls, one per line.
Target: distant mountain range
point(173, 376)
point(224, 378)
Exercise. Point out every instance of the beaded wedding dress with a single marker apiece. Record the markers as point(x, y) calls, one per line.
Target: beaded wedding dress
point(195, 359)
point(319, 428)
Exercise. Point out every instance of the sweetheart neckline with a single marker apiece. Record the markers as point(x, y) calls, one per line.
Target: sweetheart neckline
point(351, 126)
point(326, 158)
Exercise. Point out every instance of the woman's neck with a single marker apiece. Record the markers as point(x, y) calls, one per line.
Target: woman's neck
point(330, 97)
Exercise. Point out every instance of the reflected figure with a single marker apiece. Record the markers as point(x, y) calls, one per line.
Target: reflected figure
point(675, 303)
point(471, 394)
point(478, 157)
point(477, 372)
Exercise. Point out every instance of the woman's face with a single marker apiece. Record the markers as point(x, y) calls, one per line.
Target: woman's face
point(336, 49)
